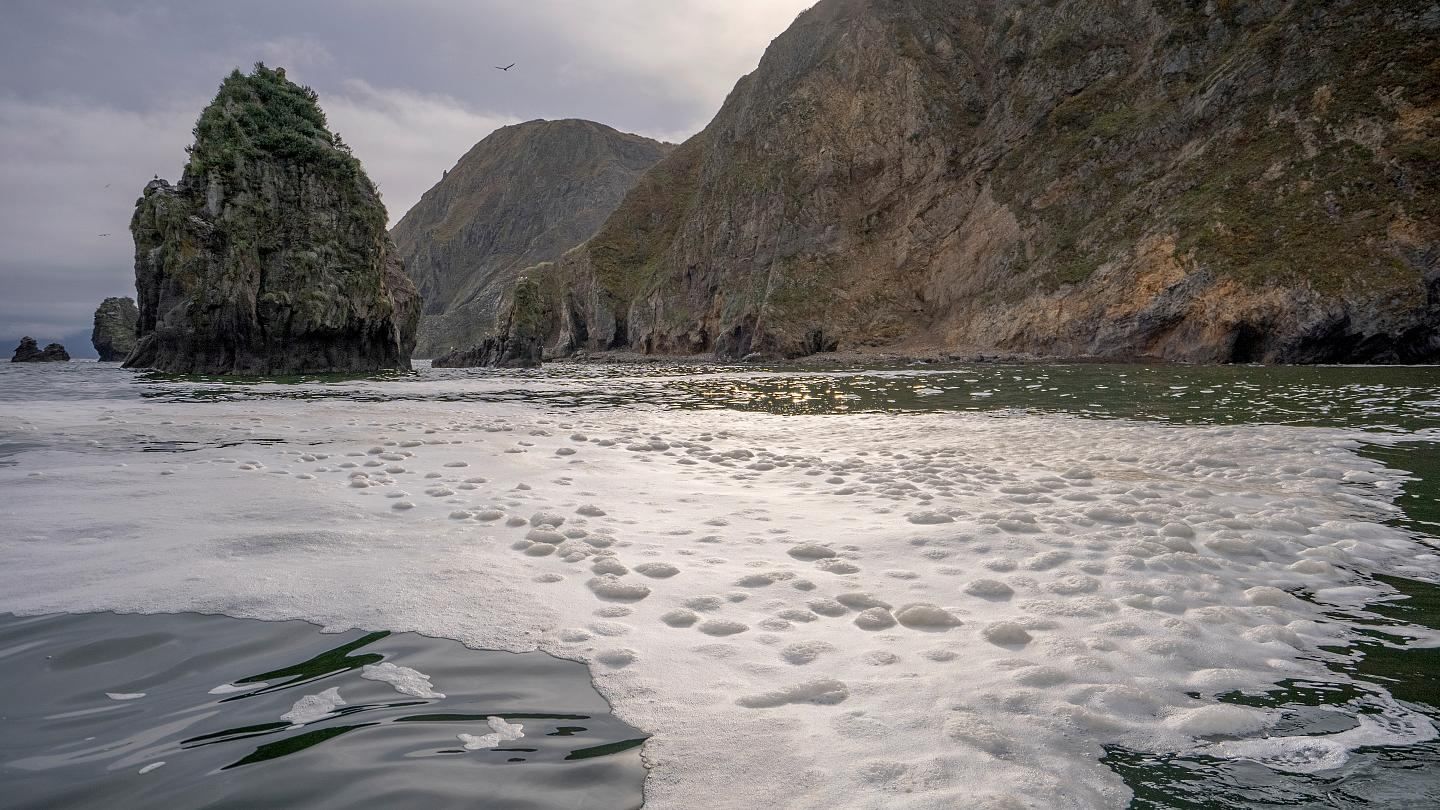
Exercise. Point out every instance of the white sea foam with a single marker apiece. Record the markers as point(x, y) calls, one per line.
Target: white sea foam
point(404, 680)
point(500, 732)
point(125, 695)
point(310, 708)
point(966, 617)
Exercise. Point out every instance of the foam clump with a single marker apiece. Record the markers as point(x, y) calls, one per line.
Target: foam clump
point(824, 692)
point(876, 618)
point(989, 589)
point(680, 617)
point(404, 680)
point(310, 708)
point(811, 551)
point(551, 519)
point(1220, 719)
point(609, 586)
point(500, 732)
point(657, 570)
point(721, 627)
point(1007, 633)
point(859, 600)
point(926, 617)
point(930, 518)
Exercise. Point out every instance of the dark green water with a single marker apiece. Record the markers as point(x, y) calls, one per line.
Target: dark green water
point(67, 744)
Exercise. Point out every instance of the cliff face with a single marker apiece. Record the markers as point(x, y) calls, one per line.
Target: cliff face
point(524, 195)
point(1200, 181)
point(114, 332)
point(271, 255)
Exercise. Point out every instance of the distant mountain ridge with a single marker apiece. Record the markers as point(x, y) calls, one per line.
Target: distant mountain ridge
point(1191, 181)
point(524, 195)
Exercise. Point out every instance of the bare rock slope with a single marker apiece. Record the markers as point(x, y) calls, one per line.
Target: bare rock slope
point(524, 195)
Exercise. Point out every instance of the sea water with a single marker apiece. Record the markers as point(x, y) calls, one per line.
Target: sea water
point(982, 586)
point(103, 710)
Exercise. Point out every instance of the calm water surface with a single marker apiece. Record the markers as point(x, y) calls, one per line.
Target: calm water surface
point(94, 703)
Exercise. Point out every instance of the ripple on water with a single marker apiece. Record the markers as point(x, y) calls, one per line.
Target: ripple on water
point(293, 717)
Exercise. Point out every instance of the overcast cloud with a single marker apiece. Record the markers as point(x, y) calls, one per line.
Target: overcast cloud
point(97, 97)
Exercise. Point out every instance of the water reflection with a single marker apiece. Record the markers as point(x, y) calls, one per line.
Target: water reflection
point(185, 718)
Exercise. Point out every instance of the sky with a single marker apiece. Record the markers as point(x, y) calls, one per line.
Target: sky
point(98, 97)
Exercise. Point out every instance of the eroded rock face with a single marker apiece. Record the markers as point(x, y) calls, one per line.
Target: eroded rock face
point(519, 342)
point(524, 195)
point(1185, 181)
point(271, 255)
point(114, 332)
point(30, 352)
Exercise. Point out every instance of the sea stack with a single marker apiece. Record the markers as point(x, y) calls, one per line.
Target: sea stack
point(114, 332)
point(30, 352)
point(270, 256)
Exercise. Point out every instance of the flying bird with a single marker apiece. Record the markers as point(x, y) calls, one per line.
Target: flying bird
point(104, 234)
point(507, 67)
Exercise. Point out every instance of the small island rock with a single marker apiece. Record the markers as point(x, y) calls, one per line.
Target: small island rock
point(30, 352)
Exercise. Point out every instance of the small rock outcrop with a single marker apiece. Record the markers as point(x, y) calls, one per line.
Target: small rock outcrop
point(30, 352)
point(524, 195)
point(114, 332)
point(271, 255)
point(521, 339)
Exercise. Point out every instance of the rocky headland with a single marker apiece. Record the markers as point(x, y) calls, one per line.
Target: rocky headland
point(271, 255)
point(523, 195)
point(114, 332)
point(1199, 182)
point(30, 352)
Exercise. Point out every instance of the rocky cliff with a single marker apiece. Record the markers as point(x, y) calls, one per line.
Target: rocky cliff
point(114, 333)
point(1187, 180)
point(524, 195)
point(30, 352)
point(271, 255)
